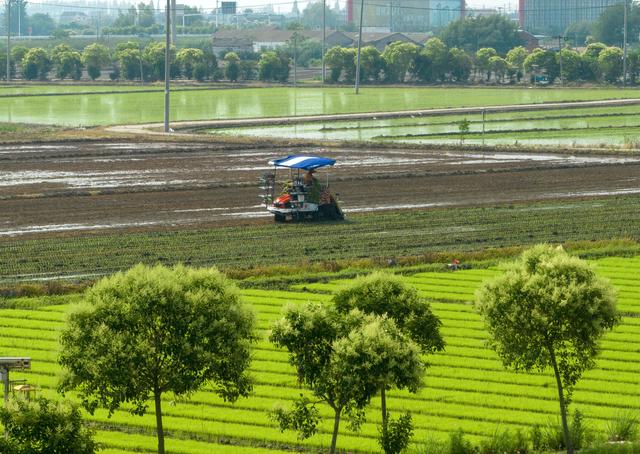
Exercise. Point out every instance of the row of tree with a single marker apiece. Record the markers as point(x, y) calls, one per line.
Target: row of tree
point(129, 61)
point(436, 63)
point(399, 62)
point(149, 332)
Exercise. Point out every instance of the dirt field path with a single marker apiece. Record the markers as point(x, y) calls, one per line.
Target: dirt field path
point(105, 186)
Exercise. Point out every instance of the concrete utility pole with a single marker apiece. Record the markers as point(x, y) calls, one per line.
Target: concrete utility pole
point(560, 38)
point(174, 30)
point(324, 37)
point(8, 40)
point(167, 65)
point(359, 48)
point(624, 44)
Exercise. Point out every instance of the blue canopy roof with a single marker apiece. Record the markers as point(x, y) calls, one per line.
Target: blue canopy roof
point(303, 162)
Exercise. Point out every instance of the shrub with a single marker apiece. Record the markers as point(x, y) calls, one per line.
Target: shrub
point(623, 427)
point(396, 434)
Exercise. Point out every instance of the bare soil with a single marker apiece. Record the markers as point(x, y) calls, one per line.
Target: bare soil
point(90, 186)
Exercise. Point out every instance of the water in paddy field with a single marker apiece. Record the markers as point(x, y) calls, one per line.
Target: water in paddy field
point(123, 108)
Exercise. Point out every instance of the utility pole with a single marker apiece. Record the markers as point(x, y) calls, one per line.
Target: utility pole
point(359, 48)
point(324, 36)
point(167, 55)
point(8, 40)
point(624, 44)
point(174, 25)
point(216, 15)
point(560, 38)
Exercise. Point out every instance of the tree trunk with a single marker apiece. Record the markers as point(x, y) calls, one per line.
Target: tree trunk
point(157, 394)
point(383, 404)
point(336, 425)
point(563, 408)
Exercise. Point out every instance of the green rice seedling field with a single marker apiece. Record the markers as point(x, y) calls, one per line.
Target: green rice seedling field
point(214, 104)
point(587, 126)
point(384, 235)
point(466, 385)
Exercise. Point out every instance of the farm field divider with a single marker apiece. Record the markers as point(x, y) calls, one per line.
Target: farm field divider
point(466, 385)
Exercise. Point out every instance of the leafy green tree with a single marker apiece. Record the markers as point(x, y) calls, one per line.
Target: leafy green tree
point(460, 64)
point(398, 56)
point(483, 60)
point(572, 65)
point(385, 294)
point(549, 310)
point(152, 331)
point(463, 128)
point(44, 427)
point(41, 24)
point(590, 67)
point(633, 65)
point(516, 58)
point(473, 33)
point(36, 64)
point(323, 344)
point(578, 32)
point(94, 57)
point(337, 59)
point(435, 59)
point(187, 59)
point(542, 61)
point(130, 61)
point(312, 16)
point(499, 67)
point(67, 62)
point(232, 70)
point(609, 26)
point(126, 18)
point(146, 16)
point(371, 64)
point(610, 64)
point(153, 57)
point(273, 66)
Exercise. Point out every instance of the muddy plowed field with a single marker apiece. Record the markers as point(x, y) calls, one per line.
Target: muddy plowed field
point(97, 186)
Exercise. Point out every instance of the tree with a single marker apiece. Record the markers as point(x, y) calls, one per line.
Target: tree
point(36, 64)
point(94, 57)
point(41, 24)
point(187, 59)
point(516, 58)
point(371, 64)
point(483, 60)
point(341, 61)
point(578, 32)
point(152, 331)
point(398, 57)
point(437, 54)
point(609, 26)
point(67, 62)
point(463, 128)
point(385, 294)
point(323, 344)
point(153, 57)
point(146, 16)
point(499, 67)
point(312, 16)
point(474, 33)
point(610, 64)
point(549, 310)
point(130, 61)
point(232, 70)
point(43, 427)
point(542, 61)
point(460, 64)
point(572, 65)
point(273, 66)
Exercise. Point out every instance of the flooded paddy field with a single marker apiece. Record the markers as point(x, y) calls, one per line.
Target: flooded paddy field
point(593, 126)
point(85, 187)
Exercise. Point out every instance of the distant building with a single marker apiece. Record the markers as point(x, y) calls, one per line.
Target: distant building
point(405, 15)
point(554, 16)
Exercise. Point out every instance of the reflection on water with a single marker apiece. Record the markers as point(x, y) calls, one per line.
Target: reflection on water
point(122, 108)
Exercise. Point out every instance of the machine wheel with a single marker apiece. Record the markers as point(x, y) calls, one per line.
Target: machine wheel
point(279, 217)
